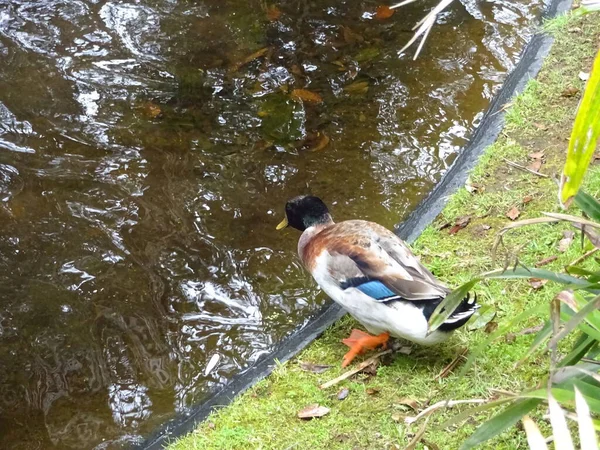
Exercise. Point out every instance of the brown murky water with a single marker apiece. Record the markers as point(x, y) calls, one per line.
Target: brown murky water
point(146, 151)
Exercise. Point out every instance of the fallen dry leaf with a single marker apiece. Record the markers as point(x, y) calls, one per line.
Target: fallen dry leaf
point(343, 393)
point(314, 368)
point(536, 155)
point(513, 213)
point(540, 126)
point(545, 261)
point(460, 223)
point(372, 391)
point(384, 12)
point(312, 411)
point(565, 242)
point(537, 283)
point(471, 187)
point(490, 327)
point(570, 92)
point(273, 13)
point(411, 403)
point(397, 417)
point(527, 199)
point(536, 165)
point(371, 369)
point(306, 96)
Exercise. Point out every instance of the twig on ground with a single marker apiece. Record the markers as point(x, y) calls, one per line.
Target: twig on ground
point(362, 366)
point(526, 169)
point(439, 405)
point(450, 367)
point(583, 257)
point(415, 440)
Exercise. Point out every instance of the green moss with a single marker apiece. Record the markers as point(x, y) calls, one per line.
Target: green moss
point(372, 414)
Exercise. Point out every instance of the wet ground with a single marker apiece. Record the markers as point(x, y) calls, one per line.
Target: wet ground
point(146, 152)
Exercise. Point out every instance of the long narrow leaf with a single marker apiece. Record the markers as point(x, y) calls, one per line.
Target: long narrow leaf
point(560, 429)
point(449, 305)
point(588, 205)
point(584, 136)
point(535, 439)
point(587, 434)
point(580, 349)
point(589, 308)
point(500, 422)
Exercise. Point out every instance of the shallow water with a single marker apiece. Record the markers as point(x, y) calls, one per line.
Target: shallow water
point(146, 151)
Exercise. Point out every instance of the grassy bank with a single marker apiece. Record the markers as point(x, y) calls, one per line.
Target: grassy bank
point(372, 415)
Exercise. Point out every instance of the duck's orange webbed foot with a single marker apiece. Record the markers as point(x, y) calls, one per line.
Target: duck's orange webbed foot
point(359, 341)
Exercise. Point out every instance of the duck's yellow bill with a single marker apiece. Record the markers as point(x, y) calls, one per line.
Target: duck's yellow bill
point(282, 224)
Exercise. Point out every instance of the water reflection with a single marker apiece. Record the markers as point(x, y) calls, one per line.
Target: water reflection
point(146, 149)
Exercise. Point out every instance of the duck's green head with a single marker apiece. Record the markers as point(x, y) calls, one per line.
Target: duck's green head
point(303, 212)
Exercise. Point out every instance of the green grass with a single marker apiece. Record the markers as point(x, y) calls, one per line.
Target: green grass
point(372, 414)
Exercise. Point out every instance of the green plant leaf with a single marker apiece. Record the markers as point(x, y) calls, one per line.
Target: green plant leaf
point(587, 310)
point(500, 422)
point(581, 347)
point(583, 137)
point(449, 304)
point(588, 205)
point(587, 434)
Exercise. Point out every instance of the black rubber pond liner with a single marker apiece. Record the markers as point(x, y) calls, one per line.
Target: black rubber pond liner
point(486, 133)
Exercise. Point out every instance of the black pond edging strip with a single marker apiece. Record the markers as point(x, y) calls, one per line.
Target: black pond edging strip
point(491, 124)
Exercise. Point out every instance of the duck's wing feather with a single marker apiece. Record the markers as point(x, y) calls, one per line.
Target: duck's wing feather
point(368, 257)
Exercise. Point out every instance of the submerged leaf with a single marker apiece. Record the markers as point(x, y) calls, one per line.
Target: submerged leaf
point(358, 87)
point(384, 12)
point(306, 96)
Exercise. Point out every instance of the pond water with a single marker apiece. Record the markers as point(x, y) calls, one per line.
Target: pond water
point(146, 152)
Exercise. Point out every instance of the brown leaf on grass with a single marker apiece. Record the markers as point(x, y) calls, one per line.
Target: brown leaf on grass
point(343, 393)
point(384, 12)
point(411, 403)
point(460, 223)
point(569, 92)
point(537, 155)
point(273, 13)
point(473, 188)
point(527, 199)
point(536, 165)
point(545, 261)
point(540, 126)
point(314, 368)
point(565, 242)
point(371, 369)
point(306, 96)
point(312, 411)
point(397, 417)
point(513, 213)
point(372, 391)
point(537, 283)
point(490, 327)
point(430, 445)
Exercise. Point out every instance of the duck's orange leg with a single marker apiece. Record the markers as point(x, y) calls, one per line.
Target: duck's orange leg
point(359, 341)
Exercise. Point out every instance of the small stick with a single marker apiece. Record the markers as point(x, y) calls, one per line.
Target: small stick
point(439, 405)
point(362, 366)
point(450, 367)
point(520, 167)
point(582, 257)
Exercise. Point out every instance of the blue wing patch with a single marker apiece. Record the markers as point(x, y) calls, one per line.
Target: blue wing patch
point(373, 288)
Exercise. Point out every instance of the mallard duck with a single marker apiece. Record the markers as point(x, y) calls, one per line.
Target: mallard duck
point(373, 275)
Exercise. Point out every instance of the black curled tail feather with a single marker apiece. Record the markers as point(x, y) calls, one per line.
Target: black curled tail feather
point(459, 317)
